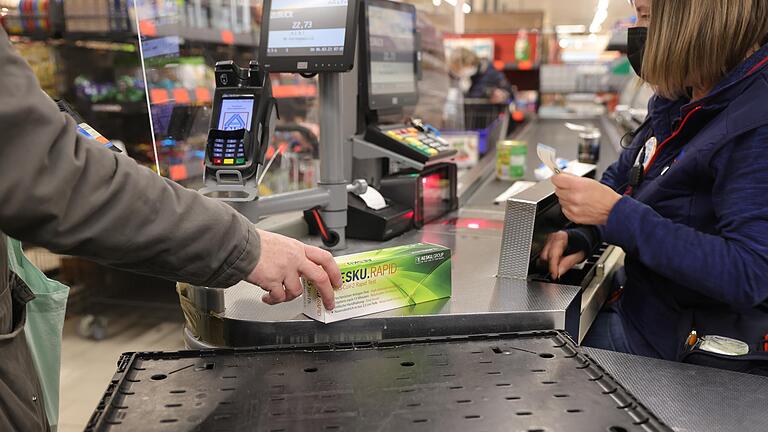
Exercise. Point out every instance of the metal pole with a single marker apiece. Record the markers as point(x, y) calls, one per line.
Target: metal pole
point(332, 155)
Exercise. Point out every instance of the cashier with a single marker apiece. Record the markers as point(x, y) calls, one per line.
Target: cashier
point(71, 195)
point(688, 201)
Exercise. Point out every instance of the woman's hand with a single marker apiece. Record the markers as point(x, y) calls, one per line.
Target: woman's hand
point(584, 201)
point(283, 260)
point(553, 251)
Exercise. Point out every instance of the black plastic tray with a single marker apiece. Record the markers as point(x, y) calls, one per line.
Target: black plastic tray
point(534, 381)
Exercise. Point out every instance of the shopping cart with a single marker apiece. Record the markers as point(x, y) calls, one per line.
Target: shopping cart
point(474, 126)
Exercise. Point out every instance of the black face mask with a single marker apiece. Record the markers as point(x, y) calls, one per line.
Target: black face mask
point(636, 47)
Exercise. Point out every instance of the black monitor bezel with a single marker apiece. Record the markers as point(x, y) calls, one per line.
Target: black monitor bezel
point(385, 102)
point(315, 64)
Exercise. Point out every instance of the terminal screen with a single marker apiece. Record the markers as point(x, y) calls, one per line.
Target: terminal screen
point(392, 48)
point(307, 28)
point(236, 113)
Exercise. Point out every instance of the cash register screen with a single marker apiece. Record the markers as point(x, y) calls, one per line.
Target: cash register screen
point(236, 113)
point(392, 50)
point(307, 28)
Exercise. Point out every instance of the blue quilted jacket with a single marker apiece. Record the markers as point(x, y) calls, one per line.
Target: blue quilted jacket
point(696, 229)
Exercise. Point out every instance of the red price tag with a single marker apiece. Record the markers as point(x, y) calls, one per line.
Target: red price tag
point(159, 96)
point(178, 172)
point(147, 28)
point(228, 37)
point(181, 95)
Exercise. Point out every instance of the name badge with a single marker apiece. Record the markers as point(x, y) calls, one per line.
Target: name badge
point(650, 150)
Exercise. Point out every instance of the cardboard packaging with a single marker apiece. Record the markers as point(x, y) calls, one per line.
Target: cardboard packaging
point(385, 279)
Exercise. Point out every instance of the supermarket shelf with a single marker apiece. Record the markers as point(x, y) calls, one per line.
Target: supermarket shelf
point(194, 34)
point(116, 37)
point(294, 91)
point(120, 107)
point(200, 95)
point(524, 65)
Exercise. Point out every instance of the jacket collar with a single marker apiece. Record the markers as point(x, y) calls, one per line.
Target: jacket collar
point(734, 84)
point(666, 113)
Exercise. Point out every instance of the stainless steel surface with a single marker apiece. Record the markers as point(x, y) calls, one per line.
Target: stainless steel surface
point(597, 292)
point(554, 134)
point(338, 106)
point(479, 303)
point(470, 180)
point(519, 229)
point(691, 398)
point(282, 203)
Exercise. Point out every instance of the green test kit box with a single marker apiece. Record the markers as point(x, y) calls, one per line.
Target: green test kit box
point(385, 279)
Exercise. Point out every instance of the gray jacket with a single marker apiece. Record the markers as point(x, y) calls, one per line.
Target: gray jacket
point(71, 195)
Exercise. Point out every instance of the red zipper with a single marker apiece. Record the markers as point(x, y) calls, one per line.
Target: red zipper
point(674, 134)
point(757, 66)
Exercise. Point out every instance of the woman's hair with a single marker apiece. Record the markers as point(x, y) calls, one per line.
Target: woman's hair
point(463, 57)
point(695, 43)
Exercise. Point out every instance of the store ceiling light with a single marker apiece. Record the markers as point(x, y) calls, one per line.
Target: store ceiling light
point(466, 8)
point(570, 29)
point(437, 3)
point(601, 14)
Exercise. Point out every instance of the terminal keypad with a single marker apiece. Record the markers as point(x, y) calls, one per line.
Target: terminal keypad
point(410, 140)
point(227, 152)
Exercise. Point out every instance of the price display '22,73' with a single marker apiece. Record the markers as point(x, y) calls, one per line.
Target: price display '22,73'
point(300, 25)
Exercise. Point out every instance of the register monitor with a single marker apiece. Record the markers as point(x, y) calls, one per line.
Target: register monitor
point(308, 36)
point(389, 55)
point(388, 83)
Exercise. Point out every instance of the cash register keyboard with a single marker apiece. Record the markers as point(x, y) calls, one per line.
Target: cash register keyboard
point(419, 144)
point(227, 152)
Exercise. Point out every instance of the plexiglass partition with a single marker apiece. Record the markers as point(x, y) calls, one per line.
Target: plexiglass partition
point(182, 40)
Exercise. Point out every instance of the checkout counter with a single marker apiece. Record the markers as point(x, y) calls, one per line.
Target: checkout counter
point(495, 287)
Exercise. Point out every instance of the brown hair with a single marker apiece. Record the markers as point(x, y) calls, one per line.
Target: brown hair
point(463, 57)
point(695, 43)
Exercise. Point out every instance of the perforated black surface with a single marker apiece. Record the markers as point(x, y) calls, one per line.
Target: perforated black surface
point(692, 398)
point(518, 382)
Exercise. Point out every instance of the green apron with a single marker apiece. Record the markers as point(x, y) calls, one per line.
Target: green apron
point(43, 329)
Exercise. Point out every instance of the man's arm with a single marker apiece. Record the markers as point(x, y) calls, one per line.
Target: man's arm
point(73, 196)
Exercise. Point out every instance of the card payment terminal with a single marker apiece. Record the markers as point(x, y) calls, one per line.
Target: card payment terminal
point(241, 122)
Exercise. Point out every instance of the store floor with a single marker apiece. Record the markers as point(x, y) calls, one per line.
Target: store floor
point(88, 365)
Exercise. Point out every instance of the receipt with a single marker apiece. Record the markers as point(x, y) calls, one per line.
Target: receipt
point(548, 156)
point(373, 199)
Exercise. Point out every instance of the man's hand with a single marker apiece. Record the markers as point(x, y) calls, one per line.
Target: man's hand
point(553, 251)
point(283, 260)
point(584, 201)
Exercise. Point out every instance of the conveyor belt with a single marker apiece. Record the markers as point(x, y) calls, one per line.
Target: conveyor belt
point(554, 134)
point(514, 382)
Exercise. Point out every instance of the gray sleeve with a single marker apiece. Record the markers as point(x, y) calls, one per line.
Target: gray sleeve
point(71, 195)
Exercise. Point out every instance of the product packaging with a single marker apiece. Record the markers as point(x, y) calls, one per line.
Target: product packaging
point(385, 279)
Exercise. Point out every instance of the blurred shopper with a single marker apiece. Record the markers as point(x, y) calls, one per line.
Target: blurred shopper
point(688, 201)
point(477, 77)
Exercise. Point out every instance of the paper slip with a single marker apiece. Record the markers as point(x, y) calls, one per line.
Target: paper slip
point(548, 156)
point(373, 199)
